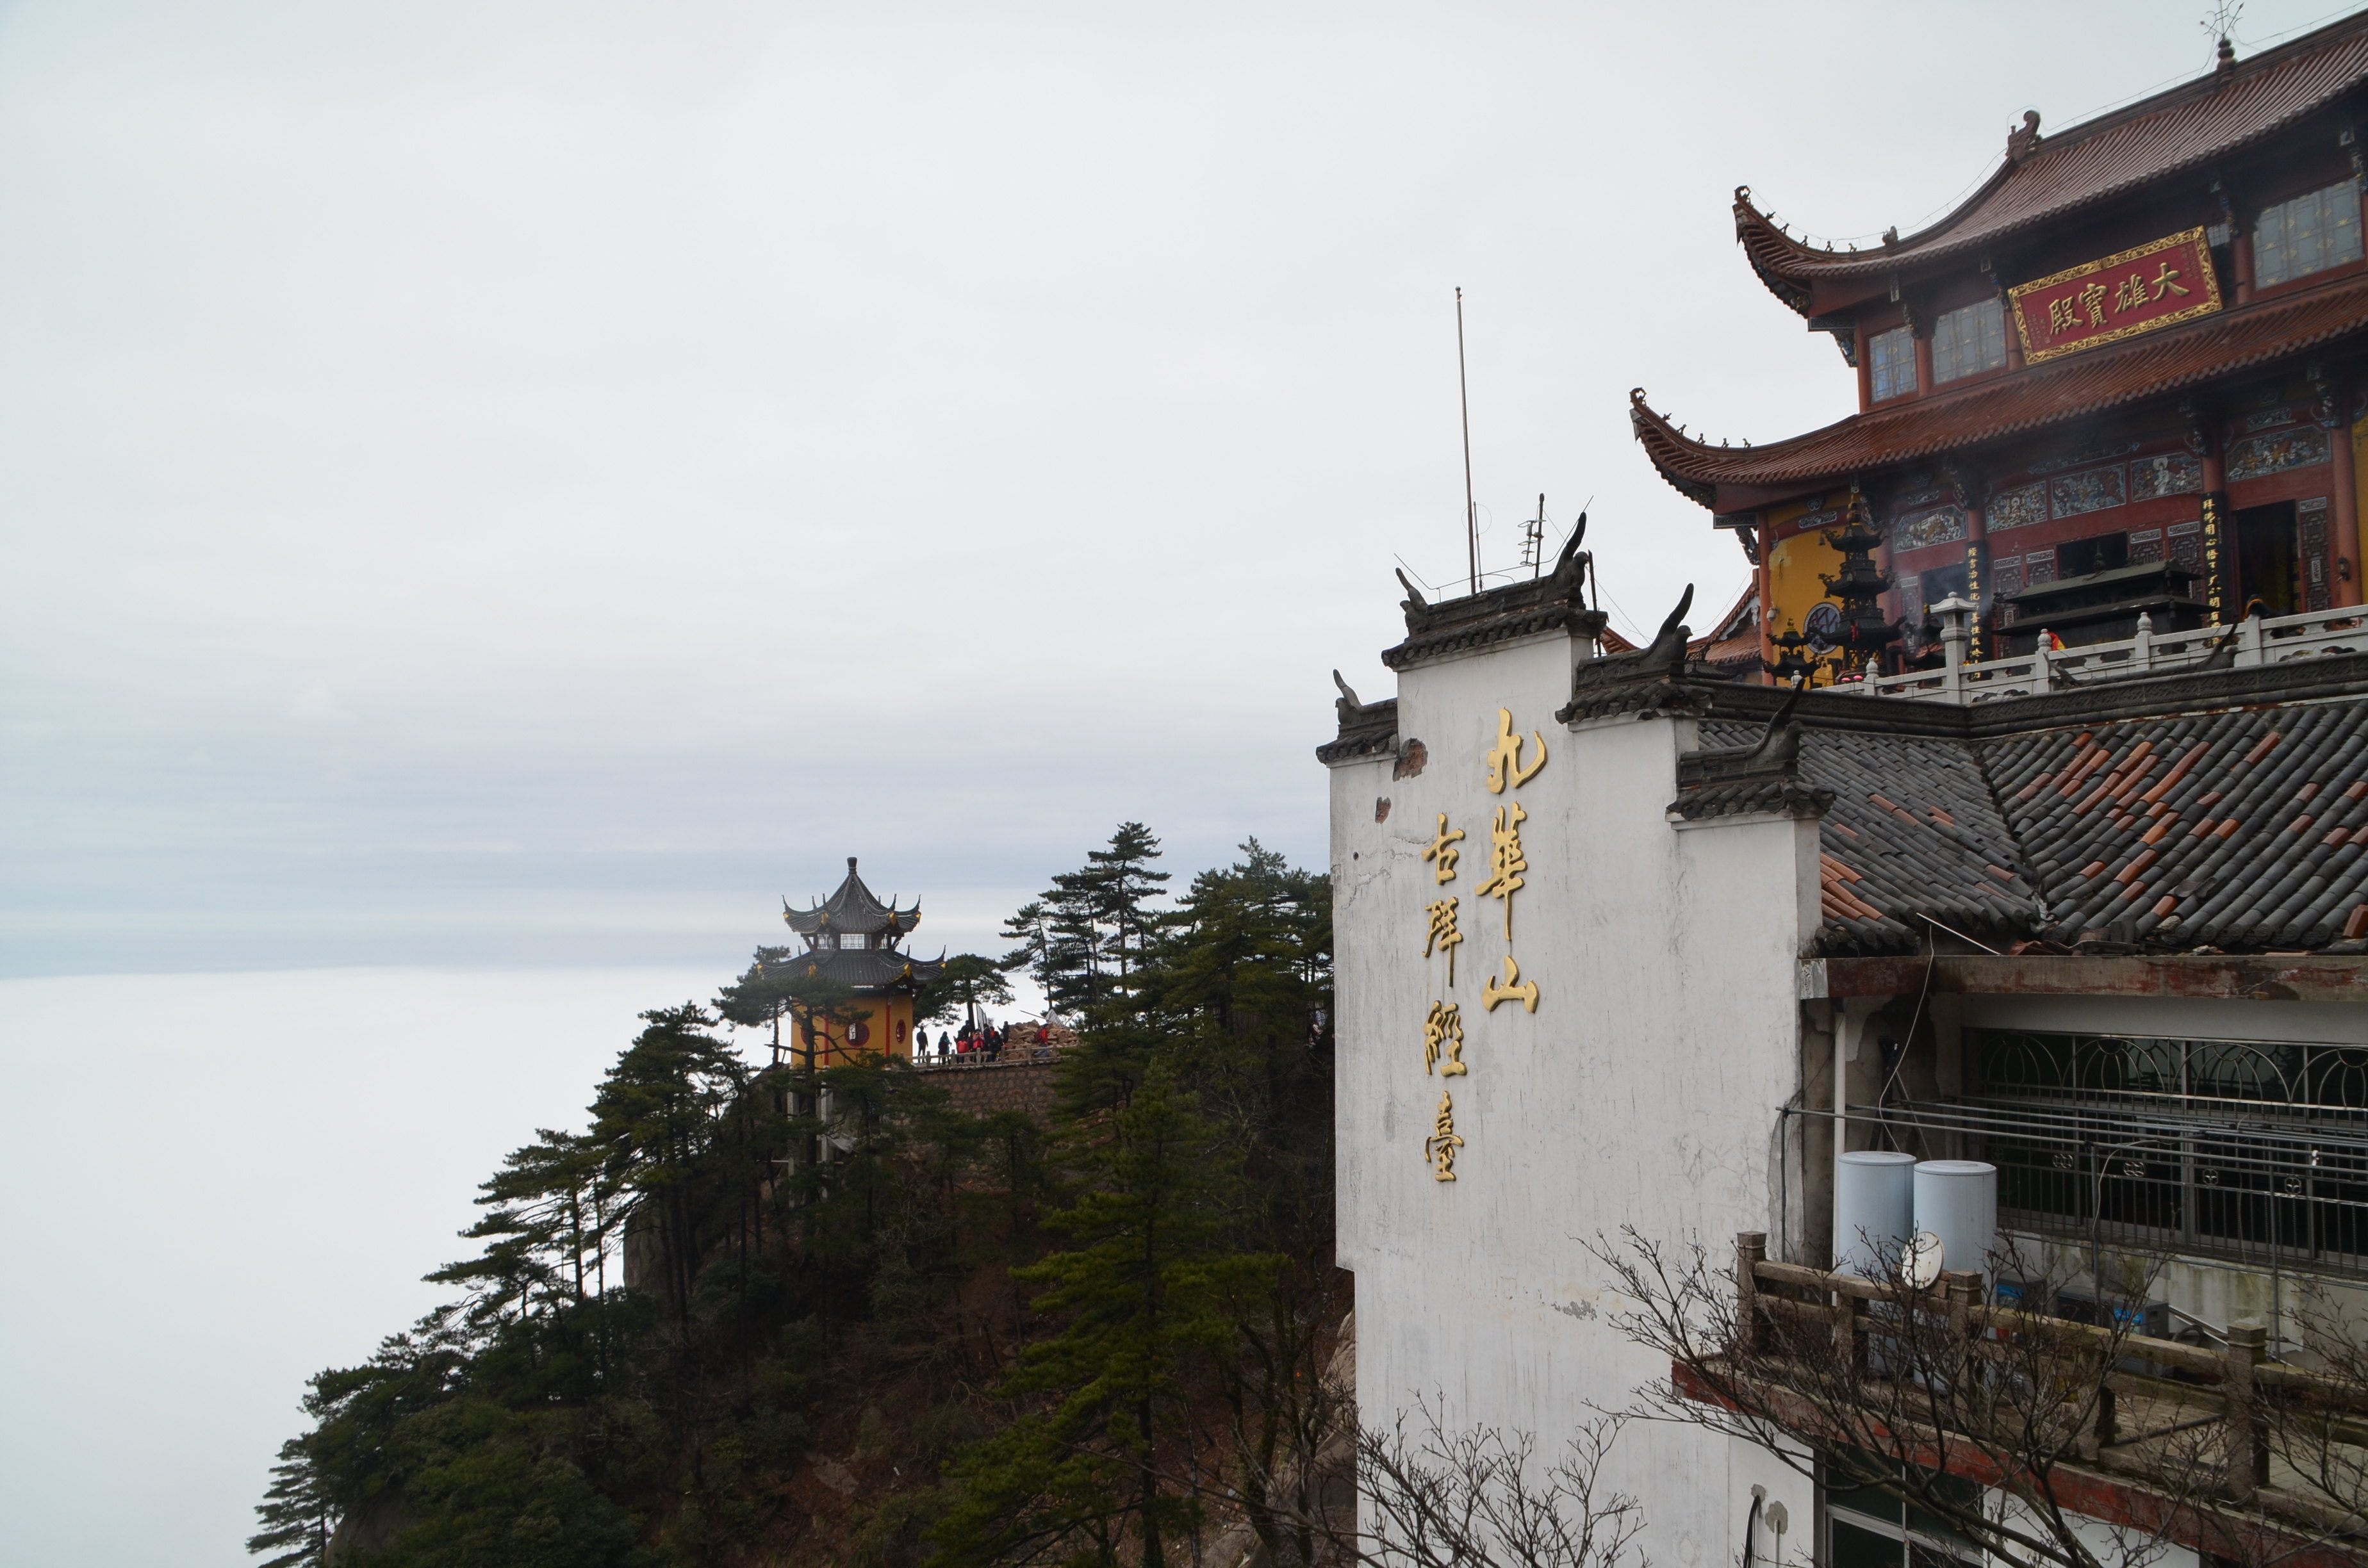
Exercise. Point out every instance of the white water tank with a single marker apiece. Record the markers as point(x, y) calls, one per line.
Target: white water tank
point(1957, 1201)
point(1875, 1210)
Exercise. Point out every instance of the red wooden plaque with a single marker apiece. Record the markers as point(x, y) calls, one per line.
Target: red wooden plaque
point(2167, 280)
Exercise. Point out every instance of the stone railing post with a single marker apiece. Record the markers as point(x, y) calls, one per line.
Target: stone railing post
point(2142, 645)
point(2248, 642)
point(2041, 680)
point(1957, 618)
point(1750, 1252)
point(2248, 1455)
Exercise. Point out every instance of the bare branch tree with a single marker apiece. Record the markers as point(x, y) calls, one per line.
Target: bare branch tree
point(2314, 1425)
point(2033, 1438)
point(1481, 1497)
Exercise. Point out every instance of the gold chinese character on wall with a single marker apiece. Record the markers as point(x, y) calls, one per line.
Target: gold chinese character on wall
point(1515, 989)
point(1505, 862)
point(1504, 759)
point(1443, 935)
point(1439, 1149)
point(2092, 303)
point(1443, 1034)
point(1442, 849)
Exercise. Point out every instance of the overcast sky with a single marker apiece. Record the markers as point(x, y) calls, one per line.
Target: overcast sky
point(508, 485)
point(528, 483)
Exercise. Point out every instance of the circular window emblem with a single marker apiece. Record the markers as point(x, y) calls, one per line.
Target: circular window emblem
point(859, 1033)
point(1825, 628)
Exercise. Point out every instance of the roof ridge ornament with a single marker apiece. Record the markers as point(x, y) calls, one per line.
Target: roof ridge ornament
point(1346, 704)
point(2022, 140)
point(1668, 649)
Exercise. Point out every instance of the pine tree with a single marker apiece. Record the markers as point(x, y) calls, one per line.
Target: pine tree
point(761, 998)
point(966, 982)
point(655, 1116)
point(298, 1518)
point(1139, 1286)
point(1031, 927)
point(1123, 884)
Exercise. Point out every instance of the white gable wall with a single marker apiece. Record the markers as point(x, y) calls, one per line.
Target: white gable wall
point(1643, 1092)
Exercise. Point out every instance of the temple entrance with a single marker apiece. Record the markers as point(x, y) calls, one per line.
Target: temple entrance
point(2265, 560)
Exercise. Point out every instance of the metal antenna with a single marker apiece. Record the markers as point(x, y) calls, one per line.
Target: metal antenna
point(1464, 393)
point(1533, 539)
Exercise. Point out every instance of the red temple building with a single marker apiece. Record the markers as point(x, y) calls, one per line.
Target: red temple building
point(2124, 378)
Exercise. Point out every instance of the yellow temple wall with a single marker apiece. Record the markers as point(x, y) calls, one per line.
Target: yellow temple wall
point(888, 1025)
point(1794, 564)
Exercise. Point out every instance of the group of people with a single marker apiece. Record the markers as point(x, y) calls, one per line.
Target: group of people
point(986, 1040)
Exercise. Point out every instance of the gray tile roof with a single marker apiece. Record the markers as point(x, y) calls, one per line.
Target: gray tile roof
point(866, 968)
point(852, 909)
point(2241, 830)
point(2227, 818)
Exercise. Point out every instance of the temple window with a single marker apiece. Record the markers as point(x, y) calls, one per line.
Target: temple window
point(2308, 234)
point(1893, 362)
point(1970, 338)
point(1870, 1529)
point(2100, 553)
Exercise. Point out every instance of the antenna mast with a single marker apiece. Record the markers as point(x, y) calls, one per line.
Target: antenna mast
point(1464, 393)
point(1534, 543)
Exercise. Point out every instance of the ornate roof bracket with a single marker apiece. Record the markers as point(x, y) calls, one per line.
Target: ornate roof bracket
point(1845, 331)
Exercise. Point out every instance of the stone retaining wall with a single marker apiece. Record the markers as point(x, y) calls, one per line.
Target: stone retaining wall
point(991, 1086)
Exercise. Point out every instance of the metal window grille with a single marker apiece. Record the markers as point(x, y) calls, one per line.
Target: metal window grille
point(1894, 370)
point(2240, 1149)
point(2308, 234)
point(1968, 339)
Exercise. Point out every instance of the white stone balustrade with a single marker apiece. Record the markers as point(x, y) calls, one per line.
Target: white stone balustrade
point(2259, 641)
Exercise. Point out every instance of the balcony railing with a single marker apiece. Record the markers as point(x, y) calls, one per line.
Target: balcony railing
point(2268, 1191)
point(1013, 1055)
point(2136, 1390)
point(2256, 640)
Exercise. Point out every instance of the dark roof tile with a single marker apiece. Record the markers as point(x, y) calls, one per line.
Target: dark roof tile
point(2240, 828)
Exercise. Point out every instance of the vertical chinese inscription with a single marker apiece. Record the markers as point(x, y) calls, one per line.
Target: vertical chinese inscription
point(1515, 989)
point(1505, 758)
point(2215, 584)
point(1439, 1149)
point(1505, 861)
point(1511, 761)
point(1442, 849)
point(1443, 934)
point(1443, 1034)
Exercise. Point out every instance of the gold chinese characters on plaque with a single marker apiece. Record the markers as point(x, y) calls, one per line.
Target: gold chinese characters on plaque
point(2159, 283)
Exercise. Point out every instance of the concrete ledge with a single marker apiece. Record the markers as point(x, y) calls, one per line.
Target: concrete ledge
point(2252, 978)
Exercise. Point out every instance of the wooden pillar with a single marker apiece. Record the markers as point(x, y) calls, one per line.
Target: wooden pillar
point(2345, 544)
point(1923, 341)
point(1866, 372)
point(1750, 1252)
point(2240, 251)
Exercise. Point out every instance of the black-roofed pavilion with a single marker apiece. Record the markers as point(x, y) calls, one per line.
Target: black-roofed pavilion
point(855, 939)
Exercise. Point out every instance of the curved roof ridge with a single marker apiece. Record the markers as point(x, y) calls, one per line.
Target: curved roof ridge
point(1679, 457)
point(2042, 396)
point(2186, 125)
point(853, 909)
